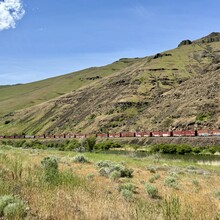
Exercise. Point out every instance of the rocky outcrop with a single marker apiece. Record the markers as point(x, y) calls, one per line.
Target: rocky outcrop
point(185, 42)
point(213, 37)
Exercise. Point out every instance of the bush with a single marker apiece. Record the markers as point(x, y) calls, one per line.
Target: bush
point(154, 149)
point(4, 201)
point(11, 207)
point(152, 169)
point(171, 149)
point(127, 194)
point(151, 190)
point(114, 175)
point(14, 211)
point(90, 143)
point(213, 149)
point(19, 143)
point(154, 177)
point(168, 149)
point(128, 186)
point(71, 145)
point(80, 159)
point(107, 167)
point(106, 145)
point(51, 173)
point(183, 149)
point(170, 181)
point(197, 150)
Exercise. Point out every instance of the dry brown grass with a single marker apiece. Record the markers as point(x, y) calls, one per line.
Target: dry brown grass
point(98, 198)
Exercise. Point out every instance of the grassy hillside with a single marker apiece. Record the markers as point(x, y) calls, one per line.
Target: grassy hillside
point(178, 88)
point(24, 95)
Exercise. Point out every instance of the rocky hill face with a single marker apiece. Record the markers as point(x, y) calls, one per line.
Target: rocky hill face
point(176, 89)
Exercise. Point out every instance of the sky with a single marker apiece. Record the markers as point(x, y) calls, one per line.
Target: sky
point(40, 39)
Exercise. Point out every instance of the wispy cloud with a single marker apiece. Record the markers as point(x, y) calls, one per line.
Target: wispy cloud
point(10, 12)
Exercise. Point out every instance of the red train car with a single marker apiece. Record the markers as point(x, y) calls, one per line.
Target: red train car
point(49, 136)
point(157, 134)
point(80, 135)
point(117, 135)
point(102, 135)
point(143, 134)
point(20, 136)
point(166, 134)
point(70, 136)
point(2, 137)
point(60, 136)
point(29, 136)
point(128, 134)
point(216, 132)
point(39, 136)
point(10, 137)
point(204, 133)
point(189, 133)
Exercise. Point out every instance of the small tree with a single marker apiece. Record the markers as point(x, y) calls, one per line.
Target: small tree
point(90, 143)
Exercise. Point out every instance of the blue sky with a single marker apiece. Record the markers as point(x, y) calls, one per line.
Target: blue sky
point(54, 37)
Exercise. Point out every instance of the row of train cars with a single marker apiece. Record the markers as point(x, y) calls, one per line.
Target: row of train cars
point(188, 133)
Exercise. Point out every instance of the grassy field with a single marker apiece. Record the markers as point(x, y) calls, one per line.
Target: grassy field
point(158, 188)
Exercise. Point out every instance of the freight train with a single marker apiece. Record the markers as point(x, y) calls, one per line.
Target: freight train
point(186, 133)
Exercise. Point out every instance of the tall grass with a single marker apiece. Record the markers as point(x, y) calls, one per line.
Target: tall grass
point(55, 190)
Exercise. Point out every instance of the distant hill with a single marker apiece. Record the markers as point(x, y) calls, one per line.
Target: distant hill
point(175, 89)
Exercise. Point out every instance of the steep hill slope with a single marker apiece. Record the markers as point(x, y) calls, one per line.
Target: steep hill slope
point(177, 88)
point(25, 95)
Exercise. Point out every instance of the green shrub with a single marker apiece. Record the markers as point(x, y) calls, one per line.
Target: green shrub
point(11, 207)
point(128, 186)
point(152, 169)
point(114, 175)
point(127, 194)
point(154, 177)
point(197, 150)
point(107, 167)
point(171, 149)
point(203, 116)
point(170, 181)
point(213, 149)
point(151, 190)
point(14, 211)
point(71, 145)
point(80, 158)
point(90, 143)
point(19, 143)
point(4, 201)
point(168, 149)
point(183, 149)
point(106, 145)
point(50, 145)
point(50, 166)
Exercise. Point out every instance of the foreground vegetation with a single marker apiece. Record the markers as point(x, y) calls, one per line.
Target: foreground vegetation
point(90, 144)
point(52, 184)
